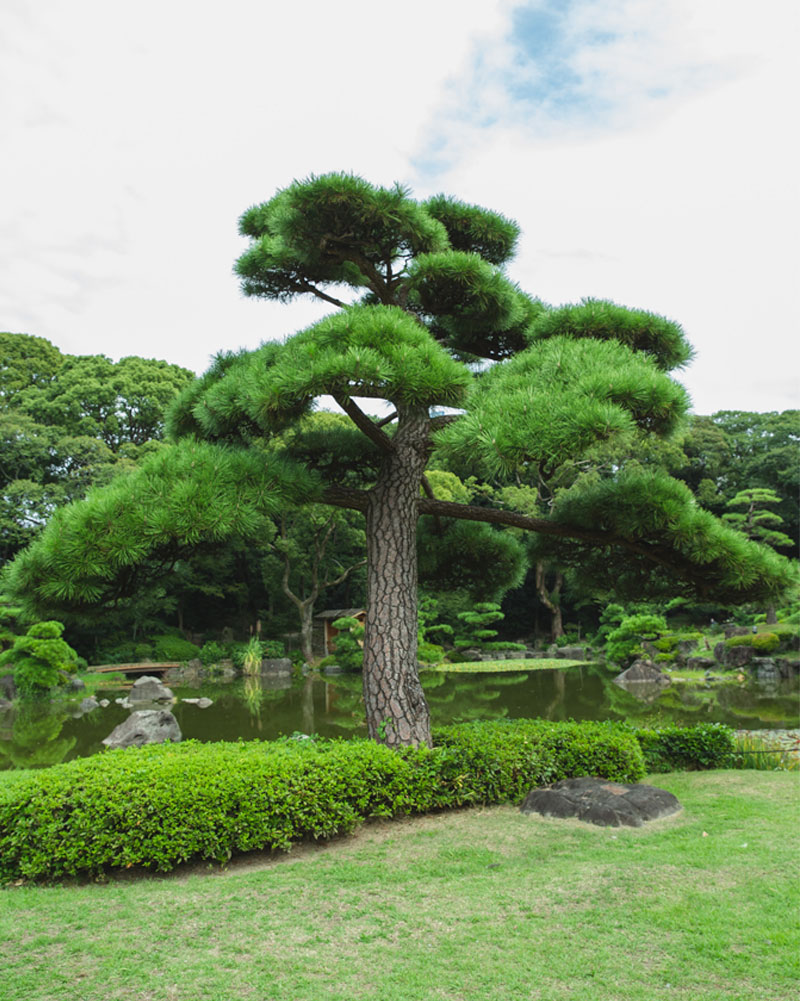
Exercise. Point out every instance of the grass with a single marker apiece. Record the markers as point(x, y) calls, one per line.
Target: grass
point(473, 905)
point(95, 682)
point(530, 664)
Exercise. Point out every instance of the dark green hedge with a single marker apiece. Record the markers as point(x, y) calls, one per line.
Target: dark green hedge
point(160, 805)
point(690, 748)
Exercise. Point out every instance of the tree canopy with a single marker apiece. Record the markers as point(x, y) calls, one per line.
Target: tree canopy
point(68, 422)
point(469, 368)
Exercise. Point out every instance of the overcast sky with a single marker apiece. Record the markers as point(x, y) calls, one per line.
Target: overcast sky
point(646, 147)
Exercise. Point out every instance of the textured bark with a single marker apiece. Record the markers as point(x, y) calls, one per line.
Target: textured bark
point(550, 600)
point(396, 710)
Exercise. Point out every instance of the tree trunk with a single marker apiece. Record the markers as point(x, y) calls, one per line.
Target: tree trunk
point(772, 615)
point(307, 632)
point(550, 600)
point(396, 710)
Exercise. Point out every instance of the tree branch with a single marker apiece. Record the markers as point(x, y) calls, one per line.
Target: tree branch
point(308, 287)
point(497, 516)
point(364, 424)
point(348, 497)
point(343, 576)
point(386, 420)
point(437, 423)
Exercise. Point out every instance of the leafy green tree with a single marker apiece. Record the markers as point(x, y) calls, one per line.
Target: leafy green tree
point(40, 659)
point(67, 423)
point(735, 450)
point(315, 549)
point(465, 363)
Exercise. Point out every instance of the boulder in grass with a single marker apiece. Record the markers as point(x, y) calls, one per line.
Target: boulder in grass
point(145, 726)
point(149, 689)
point(602, 802)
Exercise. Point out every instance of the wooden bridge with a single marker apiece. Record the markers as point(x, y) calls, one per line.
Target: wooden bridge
point(157, 669)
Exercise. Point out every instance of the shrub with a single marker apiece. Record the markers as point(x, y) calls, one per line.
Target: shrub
point(348, 651)
point(624, 642)
point(504, 759)
point(761, 642)
point(788, 636)
point(430, 653)
point(273, 648)
point(502, 645)
point(667, 644)
point(172, 647)
point(212, 652)
point(162, 804)
point(690, 748)
point(40, 659)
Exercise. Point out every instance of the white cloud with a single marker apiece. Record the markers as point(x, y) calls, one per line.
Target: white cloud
point(659, 176)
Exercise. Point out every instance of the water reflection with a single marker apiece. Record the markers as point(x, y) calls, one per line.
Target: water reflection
point(43, 733)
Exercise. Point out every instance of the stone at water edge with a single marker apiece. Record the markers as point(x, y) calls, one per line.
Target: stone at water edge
point(145, 726)
point(602, 802)
point(642, 670)
point(202, 703)
point(86, 706)
point(149, 689)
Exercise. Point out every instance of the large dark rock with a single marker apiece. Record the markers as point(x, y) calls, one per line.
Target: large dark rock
point(738, 656)
point(700, 663)
point(601, 801)
point(149, 689)
point(642, 670)
point(145, 726)
point(74, 684)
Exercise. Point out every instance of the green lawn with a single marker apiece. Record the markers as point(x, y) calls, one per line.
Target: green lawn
point(461, 906)
point(529, 664)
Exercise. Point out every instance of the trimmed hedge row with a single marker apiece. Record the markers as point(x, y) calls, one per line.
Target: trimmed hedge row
point(690, 748)
point(160, 805)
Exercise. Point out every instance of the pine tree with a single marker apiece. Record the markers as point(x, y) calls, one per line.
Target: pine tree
point(468, 365)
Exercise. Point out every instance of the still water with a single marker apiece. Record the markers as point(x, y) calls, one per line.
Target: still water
point(37, 735)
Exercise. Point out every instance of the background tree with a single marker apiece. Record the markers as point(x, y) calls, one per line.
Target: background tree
point(432, 308)
point(755, 519)
point(314, 550)
point(735, 450)
point(69, 422)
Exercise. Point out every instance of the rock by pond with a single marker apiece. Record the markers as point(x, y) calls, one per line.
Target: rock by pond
point(602, 802)
point(145, 726)
point(149, 689)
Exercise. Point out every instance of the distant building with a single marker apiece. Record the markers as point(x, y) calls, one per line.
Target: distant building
point(324, 635)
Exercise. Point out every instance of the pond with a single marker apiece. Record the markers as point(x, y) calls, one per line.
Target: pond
point(37, 735)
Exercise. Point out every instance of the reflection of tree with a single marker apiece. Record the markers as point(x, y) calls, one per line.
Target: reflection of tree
point(36, 739)
point(465, 697)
